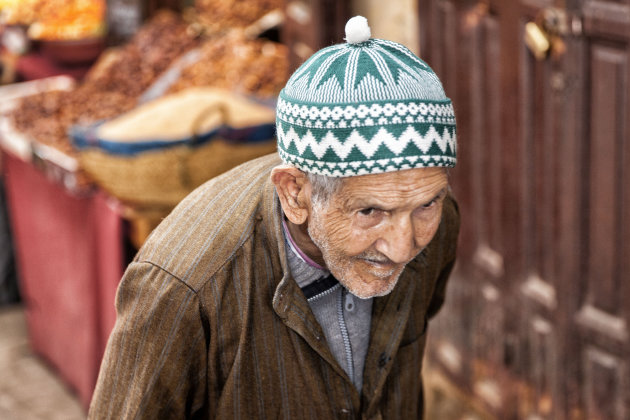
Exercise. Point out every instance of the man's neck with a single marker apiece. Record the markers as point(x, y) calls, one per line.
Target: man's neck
point(303, 241)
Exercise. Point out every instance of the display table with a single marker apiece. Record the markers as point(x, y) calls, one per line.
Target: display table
point(70, 249)
point(70, 258)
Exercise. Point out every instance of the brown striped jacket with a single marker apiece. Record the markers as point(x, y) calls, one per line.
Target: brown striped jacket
point(211, 325)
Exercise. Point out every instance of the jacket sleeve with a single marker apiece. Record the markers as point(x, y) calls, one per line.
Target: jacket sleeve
point(448, 234)
point(155, 361)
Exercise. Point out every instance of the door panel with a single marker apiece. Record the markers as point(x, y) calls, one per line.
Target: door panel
point(483, 144)
point(602, 312)
point(605, 382)
point(540, 136)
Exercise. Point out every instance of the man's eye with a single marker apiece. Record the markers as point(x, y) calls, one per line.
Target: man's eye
point(368, 211)
point(429, 204)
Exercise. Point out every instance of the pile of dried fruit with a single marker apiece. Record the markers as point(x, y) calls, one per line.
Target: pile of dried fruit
point(112, 86)
point(251, 67)
point(217, 16)
point(228, 59)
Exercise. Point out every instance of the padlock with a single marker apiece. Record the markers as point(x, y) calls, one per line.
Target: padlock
point(536, 40)
point(555, 24)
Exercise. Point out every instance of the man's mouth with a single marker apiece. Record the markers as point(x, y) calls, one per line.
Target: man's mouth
point(381, 268)
point(382, 263)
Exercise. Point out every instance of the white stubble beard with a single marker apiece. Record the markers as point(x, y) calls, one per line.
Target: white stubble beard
point(341, 267)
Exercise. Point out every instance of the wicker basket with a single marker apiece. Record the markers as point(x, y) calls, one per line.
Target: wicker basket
point(164, 177)
point(152, 173)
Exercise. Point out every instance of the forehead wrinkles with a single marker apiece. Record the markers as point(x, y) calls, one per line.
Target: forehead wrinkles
point(394, 187)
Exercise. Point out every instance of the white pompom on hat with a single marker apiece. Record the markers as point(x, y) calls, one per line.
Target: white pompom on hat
point(357, 30)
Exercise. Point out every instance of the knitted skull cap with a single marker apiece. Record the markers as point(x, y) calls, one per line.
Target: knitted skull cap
point(364, 107)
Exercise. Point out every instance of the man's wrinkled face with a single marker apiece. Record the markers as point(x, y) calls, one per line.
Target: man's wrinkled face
point(375, 224)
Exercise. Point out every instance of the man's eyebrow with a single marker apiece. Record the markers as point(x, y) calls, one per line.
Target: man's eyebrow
point(360, 202)
point(441, 193)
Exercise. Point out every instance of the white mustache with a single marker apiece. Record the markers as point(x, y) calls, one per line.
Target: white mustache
point(375, 256)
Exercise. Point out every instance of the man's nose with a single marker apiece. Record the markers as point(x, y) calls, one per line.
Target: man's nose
point(397, 241)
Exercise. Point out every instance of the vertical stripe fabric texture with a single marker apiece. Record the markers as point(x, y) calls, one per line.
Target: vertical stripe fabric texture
point(211, 325)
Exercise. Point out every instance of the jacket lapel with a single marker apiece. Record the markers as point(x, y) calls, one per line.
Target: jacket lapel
point(389, 319)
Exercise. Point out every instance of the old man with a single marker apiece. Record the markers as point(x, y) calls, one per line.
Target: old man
point(300, 285)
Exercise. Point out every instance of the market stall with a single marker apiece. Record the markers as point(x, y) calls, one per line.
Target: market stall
point(92, 163)
point(70, 248)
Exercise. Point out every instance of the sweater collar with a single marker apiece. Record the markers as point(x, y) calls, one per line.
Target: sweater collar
point(304, 270)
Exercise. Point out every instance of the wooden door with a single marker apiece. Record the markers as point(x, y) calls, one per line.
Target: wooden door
point(536, 324)
point(600, 238)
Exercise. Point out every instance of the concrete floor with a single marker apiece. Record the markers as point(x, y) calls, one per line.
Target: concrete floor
point(29, 389)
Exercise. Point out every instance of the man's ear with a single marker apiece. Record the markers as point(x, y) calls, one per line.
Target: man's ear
point(293, 191)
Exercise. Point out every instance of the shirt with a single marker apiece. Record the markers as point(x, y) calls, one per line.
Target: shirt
point(344, 317)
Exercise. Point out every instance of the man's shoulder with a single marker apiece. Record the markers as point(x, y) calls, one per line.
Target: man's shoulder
point(444, 243)
point(450, 218)
point(207, 228)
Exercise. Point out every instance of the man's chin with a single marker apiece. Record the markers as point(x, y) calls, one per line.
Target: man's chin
point(369, 286)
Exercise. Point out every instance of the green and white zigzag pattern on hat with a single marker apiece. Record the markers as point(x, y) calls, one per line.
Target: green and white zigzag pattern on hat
point(364, 107)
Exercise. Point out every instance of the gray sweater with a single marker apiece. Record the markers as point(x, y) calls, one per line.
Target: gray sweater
point(344, 317)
